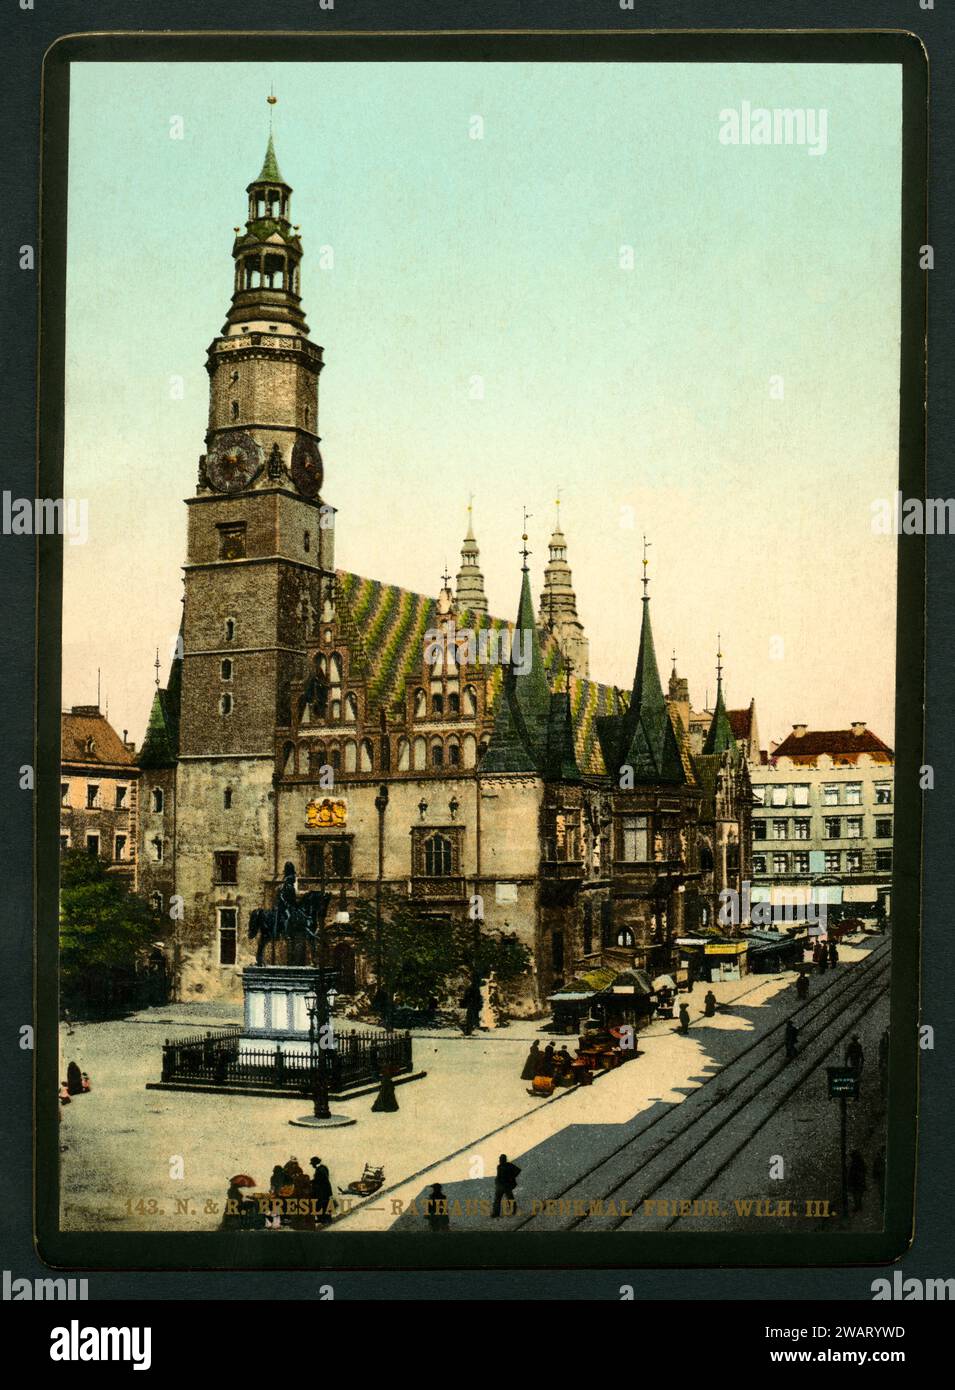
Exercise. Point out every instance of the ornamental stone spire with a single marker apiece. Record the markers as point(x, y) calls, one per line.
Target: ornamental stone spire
point(558, 605)
point(470, 596)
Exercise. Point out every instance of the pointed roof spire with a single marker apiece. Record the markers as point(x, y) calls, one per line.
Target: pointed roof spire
point(519, 742)
point(270, 165)
point(469, 594)
point(558, 603)
point(648, 743)
point(719, 738)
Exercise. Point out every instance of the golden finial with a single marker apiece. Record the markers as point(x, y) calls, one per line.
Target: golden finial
point(645, 581)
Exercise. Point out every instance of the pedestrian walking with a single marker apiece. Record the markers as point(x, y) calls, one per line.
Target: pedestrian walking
point(802, 985)
point(823, 962)
point(855, 1057)
point(833, 952)
point(709, 1003)
point(884, 1063)
point(532, 1065)
point(436, 1209)
point(386, 1099)
point(684, 1019)
point(74, 1079)
point(792, 1040)
point(857, 1180)
point(321, 1191)
point(505, 1181)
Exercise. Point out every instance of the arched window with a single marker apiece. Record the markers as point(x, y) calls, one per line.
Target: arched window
point(335, 759)
point(706, 859)
point(437, 856)
point(227, 799)
point(226, 669)
point(420, 704)
point(351, 707)
point(351, 755)
point(367, 760)
point(470, 700)
point(225, 704)
point(454, 703)
point(437, 704)
point(157, 798)
point(335, 669)
point(335, 713)
point(470, 750)
point(483, 747)
point(420, 754)
point(404, 755)
point(437, 753)
point(625, 937)
point(234, 409)
point(454, 753)
point(229, 629)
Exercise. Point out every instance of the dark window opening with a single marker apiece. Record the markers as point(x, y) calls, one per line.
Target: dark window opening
point(437, 856)
point(226, 864)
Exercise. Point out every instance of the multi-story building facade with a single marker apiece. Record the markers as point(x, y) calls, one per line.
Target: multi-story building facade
point(99, 785)
point(384, 740)
point(823, 822)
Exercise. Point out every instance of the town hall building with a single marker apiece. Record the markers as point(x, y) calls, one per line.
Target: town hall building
point(387, 741)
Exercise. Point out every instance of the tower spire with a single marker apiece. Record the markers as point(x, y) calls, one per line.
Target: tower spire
point(648, 744)
point(469, 594)
point(558, 602)
point(719, 738)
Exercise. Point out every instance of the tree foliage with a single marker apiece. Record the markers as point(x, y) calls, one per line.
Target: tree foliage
point(105, 929)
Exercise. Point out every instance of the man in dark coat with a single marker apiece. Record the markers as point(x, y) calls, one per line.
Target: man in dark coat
point(532, 1065)
point(437, 1209)
point(709, 1004)
point(855, 1057)
point(74, 1079)
point(684, 1019)
point(321, 1191)
point(547, 1061)
point(802, 985)
point(505, 1181)
point(833, 952)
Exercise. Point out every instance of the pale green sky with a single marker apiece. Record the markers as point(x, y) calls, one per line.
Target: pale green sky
point(644, 389)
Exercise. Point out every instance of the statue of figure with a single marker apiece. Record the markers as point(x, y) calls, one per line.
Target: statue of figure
point(286, 901)
point(275, 465)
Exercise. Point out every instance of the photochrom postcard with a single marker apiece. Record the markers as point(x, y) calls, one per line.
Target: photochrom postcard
point(479, 738)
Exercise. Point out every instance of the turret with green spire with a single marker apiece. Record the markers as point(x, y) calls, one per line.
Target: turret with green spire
point(519, 742)
point(719, 738)
point(642, 738)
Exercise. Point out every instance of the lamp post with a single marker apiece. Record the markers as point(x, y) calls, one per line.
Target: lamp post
point(381, 806)
point(320, 1009)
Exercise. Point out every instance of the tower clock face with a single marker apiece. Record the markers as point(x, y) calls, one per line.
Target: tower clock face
point(233, 461)
point(306, 467)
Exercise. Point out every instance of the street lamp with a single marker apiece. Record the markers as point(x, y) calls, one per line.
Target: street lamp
point(321, 1117)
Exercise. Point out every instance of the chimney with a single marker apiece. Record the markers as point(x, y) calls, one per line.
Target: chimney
point(800, 730)
point(858, 727)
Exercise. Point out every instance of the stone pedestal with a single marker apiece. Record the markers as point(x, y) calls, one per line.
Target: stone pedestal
point(275, 1001)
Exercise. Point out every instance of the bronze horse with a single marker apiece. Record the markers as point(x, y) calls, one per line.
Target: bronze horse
point(269, 924)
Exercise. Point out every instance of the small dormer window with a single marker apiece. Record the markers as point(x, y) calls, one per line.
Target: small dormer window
point(90, 745)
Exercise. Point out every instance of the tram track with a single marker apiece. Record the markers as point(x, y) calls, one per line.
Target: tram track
point(688, 1128)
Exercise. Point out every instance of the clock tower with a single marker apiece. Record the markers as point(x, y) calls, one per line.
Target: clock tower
point(260, 539)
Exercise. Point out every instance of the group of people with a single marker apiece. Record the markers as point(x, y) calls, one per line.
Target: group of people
point(295, 1200)
point(77, 1083)
point(825, 954)
point(550, 1065)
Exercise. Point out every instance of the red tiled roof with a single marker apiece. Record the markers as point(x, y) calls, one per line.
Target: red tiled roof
point(76, 729)
point(838, 743)
point(741, 722)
